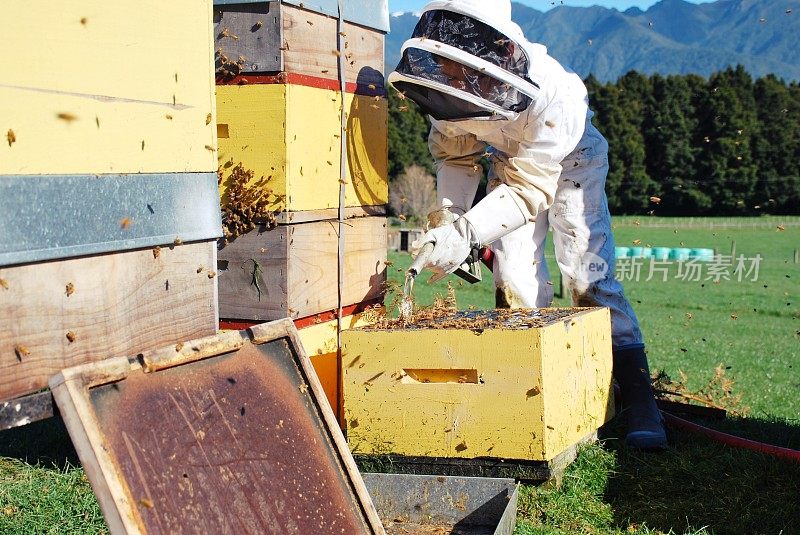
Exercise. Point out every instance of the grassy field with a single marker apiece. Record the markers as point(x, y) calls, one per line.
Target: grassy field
point(696, 487)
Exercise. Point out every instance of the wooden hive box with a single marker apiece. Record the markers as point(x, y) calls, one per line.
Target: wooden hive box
point(257, 39)
point(291, 270)
point(96, 87)
point(109, 207)
point(289, 136)
point(524, 385)
point(279, 102)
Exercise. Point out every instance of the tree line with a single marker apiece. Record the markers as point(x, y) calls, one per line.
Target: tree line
point(678, 144)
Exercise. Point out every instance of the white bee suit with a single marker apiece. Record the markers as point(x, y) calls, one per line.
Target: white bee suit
point(549, 161)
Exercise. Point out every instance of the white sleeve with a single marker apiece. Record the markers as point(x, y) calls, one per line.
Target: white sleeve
point(458, 171)
point(551, 134)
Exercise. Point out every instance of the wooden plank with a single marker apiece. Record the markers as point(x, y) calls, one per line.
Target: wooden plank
point(297, 264)
point(308, 216)
point(496, 391)
point(248, 42)
point(119, 303)
point(107, 88)
point(288, 136)
point(26, 409)
point(312, 41)
point(204, 453)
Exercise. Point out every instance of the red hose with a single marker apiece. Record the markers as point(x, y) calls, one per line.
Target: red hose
point(730, 440)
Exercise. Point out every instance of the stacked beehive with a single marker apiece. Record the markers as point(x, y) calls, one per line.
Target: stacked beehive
point(108, 192)
point(280, 131)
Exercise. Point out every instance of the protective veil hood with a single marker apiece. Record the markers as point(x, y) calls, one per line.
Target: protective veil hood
point(466, 60)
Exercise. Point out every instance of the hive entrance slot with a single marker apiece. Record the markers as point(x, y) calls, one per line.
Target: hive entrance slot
point(439, 375)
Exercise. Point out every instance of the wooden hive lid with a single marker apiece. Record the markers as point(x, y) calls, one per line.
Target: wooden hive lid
point(226, 434)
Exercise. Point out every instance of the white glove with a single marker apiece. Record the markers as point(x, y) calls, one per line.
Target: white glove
point(451, 245)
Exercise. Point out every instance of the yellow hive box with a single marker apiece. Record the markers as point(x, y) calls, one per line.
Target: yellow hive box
point(98, 86)
point(521, 384)
point(319, 341)
point(289, 136)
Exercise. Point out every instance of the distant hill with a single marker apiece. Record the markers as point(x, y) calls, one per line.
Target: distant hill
point(672, 37)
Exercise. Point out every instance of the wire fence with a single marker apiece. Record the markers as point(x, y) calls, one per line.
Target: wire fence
point(708, 222)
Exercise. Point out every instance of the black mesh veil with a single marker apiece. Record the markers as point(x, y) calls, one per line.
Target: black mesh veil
point(475, 37)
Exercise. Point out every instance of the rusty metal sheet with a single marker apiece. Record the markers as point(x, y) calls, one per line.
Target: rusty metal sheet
point(235, 443)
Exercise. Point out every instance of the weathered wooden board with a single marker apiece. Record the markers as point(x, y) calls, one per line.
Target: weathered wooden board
point(99, 87)
point(296, 269)
point(289, 136)
point(117, 304)
point(248, 36)
point(319, 342)
point(506, 390)
point(222, 435)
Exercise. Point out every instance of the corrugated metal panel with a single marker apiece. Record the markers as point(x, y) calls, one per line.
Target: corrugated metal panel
point(60, 216)
point(370, 13)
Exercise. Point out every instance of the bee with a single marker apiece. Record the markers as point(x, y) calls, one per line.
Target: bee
point(212, 274)
point(21, 351)
point(324, 71)
point(67, 117)
point(401, 217)
point(70, 289)
point(257, 25)
point(156, 252)
point(168, 116)
point(208, 119)
point(143, 144)
point(200, 269)
point(403, 108)
point(388, 263)
point(4, 284)
point(734, 317)
point(336, 53)
point(210, 148)
point(97, 121)
point(345, 35)
point(303, 388)
point(401, 95)
point(177, 241)
point(550, 124)
point(84, 20)
point(146, 502)
point(125, 222)
point(71, 336)
point(637, 222)
point(178, 347)
point(372, 86)
point(637, 242)
point(655, 200)
point(781, 227)
point(11, 137)
point(310, 23)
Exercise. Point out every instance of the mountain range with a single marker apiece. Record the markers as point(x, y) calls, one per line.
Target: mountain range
point(671, 37)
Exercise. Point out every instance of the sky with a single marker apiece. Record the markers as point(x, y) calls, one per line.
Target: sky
point(541, 5)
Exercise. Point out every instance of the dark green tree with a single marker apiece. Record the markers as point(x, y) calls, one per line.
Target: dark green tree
point(408, 136)
point(728, 123)
point(669, 129)
point(775, 147)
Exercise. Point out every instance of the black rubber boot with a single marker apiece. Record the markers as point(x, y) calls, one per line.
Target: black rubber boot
point(645, 425)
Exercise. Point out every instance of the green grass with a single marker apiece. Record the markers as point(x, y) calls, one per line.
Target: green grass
point(45, 499)
point(696, 487)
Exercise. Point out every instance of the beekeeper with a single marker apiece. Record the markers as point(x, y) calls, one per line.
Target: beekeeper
point(489, 92)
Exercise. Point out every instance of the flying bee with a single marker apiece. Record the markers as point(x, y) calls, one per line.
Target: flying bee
point(125, 222)
point(11, 137)
point(637, 242)
point(21, 351)
point(156, 252)
point(4, 284)
point(67, 117)
point(208, 119)
point(655, 200)
point(71, 336)
point(70, 289)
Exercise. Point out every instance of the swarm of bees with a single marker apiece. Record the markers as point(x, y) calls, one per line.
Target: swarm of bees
point(248, 203)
